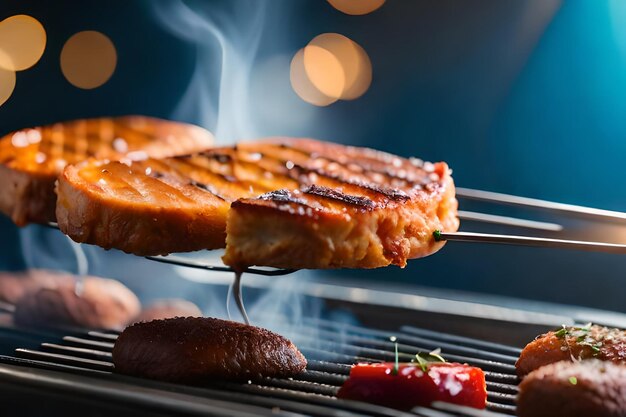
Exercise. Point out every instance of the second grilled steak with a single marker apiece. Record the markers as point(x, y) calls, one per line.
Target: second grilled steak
point(31, 159)
point(321, 205)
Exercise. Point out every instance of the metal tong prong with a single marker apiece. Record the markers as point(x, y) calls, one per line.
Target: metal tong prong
point(588, 213)
point(615, 248)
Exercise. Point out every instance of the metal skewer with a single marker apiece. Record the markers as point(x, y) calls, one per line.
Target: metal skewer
point(531, 241)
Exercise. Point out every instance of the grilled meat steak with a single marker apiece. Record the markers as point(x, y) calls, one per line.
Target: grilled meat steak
point(91, 302)
point(32, 159)
point(297, 203)
point(574, 389)
point(573, 343)
point(194, 350)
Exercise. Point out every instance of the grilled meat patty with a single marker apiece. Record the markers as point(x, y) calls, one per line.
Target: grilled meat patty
point(92, 302)
point(31, 159)
point(194, 350)
point(297, 203)
point(573, 343)
point(574, 389)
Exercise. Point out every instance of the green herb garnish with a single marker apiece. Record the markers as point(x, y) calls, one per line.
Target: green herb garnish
point(562, 332)
point(594, 347)
point(437, 355)
point(437, 236)
point(573, 380)
point(424, 362)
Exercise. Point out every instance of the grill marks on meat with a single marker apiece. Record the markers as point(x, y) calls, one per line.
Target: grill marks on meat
point(31, 159)
point(355, 208)
point(187, 199)
point(196, 350)
point(574, 389)
point(572, 344)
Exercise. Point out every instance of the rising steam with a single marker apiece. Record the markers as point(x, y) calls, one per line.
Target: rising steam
point(226, 38)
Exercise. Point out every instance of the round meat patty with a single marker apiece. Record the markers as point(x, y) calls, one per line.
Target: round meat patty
point(573, 343)
point(591, 388)
point(168, 308)
point(194, 349)
point(95, 303)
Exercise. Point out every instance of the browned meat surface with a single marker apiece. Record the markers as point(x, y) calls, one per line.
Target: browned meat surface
point(204, 349)
point(31, 159)
point(92, 303)
point(590, 388)
point(573, 343)
point(338, 206)
point(168, 308)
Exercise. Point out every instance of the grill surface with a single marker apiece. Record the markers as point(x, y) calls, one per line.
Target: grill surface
point(330, 348)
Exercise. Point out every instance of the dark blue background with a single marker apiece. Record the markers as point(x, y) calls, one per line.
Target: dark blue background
point(523, 97)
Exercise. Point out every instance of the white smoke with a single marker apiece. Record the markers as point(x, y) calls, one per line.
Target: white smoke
point(225, 39)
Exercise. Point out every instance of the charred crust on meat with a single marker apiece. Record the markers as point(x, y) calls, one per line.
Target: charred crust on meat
point(405, 175)
point(393, 194)
point(281, 196)
point(207, 188)
point(222, 158)
point(362, 202)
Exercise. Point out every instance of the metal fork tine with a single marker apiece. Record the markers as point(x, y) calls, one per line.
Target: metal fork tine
point(532, 241)
point(507, 199)
point(509, 221)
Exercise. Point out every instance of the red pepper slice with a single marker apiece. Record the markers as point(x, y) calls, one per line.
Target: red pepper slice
point(411, 386)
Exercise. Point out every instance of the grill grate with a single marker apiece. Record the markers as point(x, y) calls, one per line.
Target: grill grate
point(330, 348)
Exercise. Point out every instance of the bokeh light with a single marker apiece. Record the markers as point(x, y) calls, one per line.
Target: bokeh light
point(7, 84)
point(303, 86)
point(356, 7)
point(22, 41)
point(355, 63)
point(331, 67)
point(88, 59)
point(324, 70)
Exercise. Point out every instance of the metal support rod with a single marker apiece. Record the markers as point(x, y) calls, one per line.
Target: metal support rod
point(238, 295)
